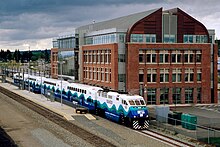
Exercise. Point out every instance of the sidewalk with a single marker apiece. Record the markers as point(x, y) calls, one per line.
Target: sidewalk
point(66, 111)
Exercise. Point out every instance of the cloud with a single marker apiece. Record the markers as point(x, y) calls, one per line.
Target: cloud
point(36, 22)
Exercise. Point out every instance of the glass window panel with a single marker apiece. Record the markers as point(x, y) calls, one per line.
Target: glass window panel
point(190, 38)
point(154, 78)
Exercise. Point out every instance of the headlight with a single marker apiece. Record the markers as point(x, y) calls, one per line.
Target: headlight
point(147, 116)
point(134, 116)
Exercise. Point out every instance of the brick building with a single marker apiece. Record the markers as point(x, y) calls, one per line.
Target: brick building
point(165, 56)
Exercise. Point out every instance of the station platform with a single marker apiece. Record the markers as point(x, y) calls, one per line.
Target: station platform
point(66, 111)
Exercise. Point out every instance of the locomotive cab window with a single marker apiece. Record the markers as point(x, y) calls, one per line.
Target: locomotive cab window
point(142, 102)
point(131, 102)
point(137, 102)
point(124, 102)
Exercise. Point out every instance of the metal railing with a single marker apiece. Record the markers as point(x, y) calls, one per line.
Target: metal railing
point(205, 130)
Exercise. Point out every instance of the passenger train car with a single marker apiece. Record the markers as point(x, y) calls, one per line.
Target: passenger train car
point(129, 110)
point(34, 82)
point(19, 77)
point(54, 86)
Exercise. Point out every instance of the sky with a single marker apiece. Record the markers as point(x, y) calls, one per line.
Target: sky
point(32, 24)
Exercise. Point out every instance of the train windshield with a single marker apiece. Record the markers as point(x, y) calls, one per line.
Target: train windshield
point(136, 102)
point(131, 102)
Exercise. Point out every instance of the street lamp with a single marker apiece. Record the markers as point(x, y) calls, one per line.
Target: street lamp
point(61, 76)
point(41, 78)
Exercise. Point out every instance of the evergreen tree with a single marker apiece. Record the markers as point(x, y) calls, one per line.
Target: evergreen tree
point(46, 56)
point(8, 55)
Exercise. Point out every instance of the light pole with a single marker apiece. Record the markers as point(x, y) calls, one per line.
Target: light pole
point(28, 67)
point(41, 78)
point(61, 84)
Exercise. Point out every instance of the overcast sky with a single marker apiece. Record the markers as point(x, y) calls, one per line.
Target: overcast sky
point(36, 22)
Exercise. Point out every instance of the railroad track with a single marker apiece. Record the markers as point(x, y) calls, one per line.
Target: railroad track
point(168, 140)
point(59, 120)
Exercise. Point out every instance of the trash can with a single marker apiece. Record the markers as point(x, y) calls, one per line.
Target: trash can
point(192, 121)
point(183, 120)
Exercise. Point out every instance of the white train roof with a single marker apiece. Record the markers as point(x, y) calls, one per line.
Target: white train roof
point(85, 87)
point(51, 80)
point(130, 97)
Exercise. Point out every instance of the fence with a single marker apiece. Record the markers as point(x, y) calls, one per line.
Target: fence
point(205, 129)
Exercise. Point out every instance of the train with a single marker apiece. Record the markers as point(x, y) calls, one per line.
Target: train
point(126, 109)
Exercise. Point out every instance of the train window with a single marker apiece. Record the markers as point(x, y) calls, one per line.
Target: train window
point(137, 102)
point(131, 102)
point(124, 102)
point(85, 91)
point(142, 102)
point(117, 98)
point(109, 96)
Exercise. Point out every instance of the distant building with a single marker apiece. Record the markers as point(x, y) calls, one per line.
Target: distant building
point(166, 56)
point(65, 53)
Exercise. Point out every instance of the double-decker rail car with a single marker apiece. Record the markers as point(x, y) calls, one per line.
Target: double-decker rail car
point(34, 82)
point(53, 86)
point(18, 78)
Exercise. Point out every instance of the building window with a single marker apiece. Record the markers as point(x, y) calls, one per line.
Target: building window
point(141, 56)
point(121, 77)
point(164, 75)
point(188, 56)
point(151, 56)
point(189, 95)
point(121, 57)
point(106, 75)
point(169, 38)
point(176, 75)
point(164, 57)
point(151, 96)
point(94, 56)
point(94, 74)
point(150, 38)
point(136, 37)
point(189, 75)
point(121, 38)
point(91, 73)
point(151, 75)
point(176, 57)
point(164, 95)
point(198, 57)
point(199, 95)
point(195, 39)
point(199, 75)
point(177, 95)
point(141, 75)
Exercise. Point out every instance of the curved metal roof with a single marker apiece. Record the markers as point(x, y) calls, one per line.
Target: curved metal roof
point(124, 22)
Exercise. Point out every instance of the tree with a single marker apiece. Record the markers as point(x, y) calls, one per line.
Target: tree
point(17, 55)
point(46, 56)
point(8, 55)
